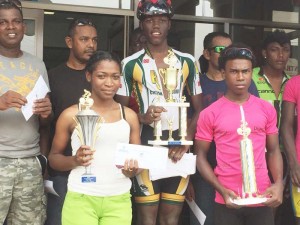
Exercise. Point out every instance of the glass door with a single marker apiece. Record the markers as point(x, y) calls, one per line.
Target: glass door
point(33, 38)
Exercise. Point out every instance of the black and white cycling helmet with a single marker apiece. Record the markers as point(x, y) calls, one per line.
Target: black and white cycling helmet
point(154, 7)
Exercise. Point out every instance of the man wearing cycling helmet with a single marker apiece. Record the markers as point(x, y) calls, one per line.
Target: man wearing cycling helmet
point(143, 73)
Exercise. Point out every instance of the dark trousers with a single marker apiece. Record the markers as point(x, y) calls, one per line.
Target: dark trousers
point(55, 203)
point(204, 198)
point(244, 216)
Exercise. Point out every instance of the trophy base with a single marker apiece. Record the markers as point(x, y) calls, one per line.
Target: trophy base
point(174, 142)
point(88, 178)
point(249, 201)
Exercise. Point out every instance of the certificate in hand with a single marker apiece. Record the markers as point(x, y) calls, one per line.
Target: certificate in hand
point(184, 167)
point(148, 157)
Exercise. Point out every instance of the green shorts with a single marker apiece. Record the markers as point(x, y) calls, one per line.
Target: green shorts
point(81, 209)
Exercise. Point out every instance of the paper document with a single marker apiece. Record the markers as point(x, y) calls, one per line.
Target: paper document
point(148, 157)
point(39, 91)
point(184, 167)
point(48, 184)
point(248, 201)
point(201, 217)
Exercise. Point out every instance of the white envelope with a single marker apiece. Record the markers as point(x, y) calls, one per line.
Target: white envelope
point(201, 217)
point(184, 167)
point(39, 90)
point(148, 157)
point(48, 185)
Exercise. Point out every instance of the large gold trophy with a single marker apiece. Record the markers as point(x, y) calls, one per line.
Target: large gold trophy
point(87, 125)
point(250, 194)
point(170, 81)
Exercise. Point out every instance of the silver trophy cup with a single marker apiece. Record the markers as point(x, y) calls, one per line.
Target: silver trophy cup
point(88, 123)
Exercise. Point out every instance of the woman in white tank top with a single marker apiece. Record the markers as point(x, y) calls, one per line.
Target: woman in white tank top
point(102, 198)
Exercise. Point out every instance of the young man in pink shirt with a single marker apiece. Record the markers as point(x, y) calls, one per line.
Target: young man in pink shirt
point(220, 122)
point(291, 102)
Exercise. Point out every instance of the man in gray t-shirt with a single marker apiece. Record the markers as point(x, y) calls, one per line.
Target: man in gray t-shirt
point(22, 191)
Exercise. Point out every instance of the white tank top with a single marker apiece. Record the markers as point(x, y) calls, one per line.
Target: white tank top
point(109, 179)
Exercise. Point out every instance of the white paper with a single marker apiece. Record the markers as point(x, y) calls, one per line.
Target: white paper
point(48, 185)
point(201, 217)
point(39, 91)
point(248, 201)
point(184, 167)
point(148, 157)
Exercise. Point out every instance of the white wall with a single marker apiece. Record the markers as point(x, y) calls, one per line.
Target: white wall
point(98, 3)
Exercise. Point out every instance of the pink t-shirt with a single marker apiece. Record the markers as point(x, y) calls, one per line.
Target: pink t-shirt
point(292, 94)
point(220, 122)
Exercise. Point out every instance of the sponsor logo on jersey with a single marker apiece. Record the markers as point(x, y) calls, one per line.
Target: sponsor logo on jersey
point(261, 82)
point(154, 79)
point(265, 91)
point(155, 92)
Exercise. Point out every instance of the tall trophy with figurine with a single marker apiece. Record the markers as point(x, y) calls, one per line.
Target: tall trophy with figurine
point(250, 193)
point(87, 125)
point(170, 82)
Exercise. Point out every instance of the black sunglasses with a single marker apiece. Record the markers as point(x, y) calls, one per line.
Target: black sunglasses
point(217, 49)
point(83, 22)
point(235, 51)
point(79, 22)
point(15, 3)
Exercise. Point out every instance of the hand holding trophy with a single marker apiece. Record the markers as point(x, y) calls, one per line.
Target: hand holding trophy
point(87, 125)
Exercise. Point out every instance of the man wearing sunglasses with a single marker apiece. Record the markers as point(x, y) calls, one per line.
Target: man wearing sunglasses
point(213, 87)
point(213, 80)
point(82, 41)
point(22, 198)
point(227, 121)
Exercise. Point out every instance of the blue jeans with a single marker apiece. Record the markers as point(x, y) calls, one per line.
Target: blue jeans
point(55, 203)
point(204, 198)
